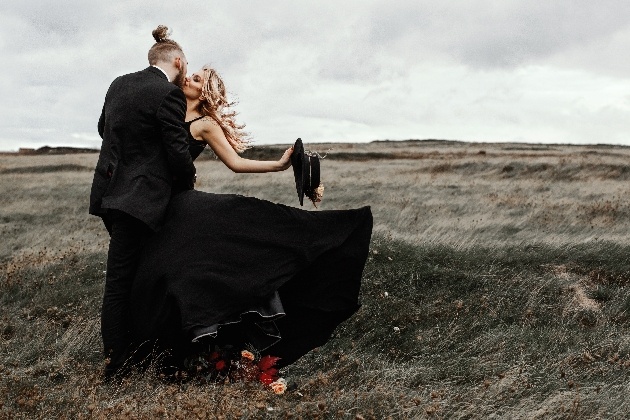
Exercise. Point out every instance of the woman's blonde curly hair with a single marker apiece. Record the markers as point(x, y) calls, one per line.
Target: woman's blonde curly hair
point(214, 104)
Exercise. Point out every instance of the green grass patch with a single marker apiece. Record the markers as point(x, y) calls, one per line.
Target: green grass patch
point(443, 332)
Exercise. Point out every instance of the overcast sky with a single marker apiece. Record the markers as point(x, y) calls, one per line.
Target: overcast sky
point(475, 70)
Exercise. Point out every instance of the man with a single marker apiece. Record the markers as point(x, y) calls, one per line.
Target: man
point(144, 149)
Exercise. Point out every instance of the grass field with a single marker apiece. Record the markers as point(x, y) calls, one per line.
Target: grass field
point(498, 286)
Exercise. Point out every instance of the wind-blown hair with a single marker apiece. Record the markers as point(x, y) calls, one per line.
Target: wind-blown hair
point(164, 49)
point(214, 104)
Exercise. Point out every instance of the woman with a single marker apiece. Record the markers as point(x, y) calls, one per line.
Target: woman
point(209, 124)
point(233, 270)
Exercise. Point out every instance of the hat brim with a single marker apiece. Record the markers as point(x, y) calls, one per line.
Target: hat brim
point(306, 172)
point(299, 168)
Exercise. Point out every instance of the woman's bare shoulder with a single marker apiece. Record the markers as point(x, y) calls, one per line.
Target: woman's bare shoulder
point(205, 128)
point(208, 125)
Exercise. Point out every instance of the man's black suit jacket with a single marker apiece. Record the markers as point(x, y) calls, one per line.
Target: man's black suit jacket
point(144, 147)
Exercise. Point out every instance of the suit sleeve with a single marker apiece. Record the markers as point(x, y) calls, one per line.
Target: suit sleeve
point(101, 123)
point(170, 115)
point(101, 120)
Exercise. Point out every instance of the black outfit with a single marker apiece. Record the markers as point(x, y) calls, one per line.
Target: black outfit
point(145, 147)
point(237, 270)
point(195, 147)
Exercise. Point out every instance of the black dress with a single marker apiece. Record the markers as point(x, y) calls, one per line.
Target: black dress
point(230, 269)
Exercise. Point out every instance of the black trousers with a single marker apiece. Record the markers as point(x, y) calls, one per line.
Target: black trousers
point(128, 235)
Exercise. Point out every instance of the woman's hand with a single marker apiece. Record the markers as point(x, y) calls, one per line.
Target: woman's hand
point(285, 160)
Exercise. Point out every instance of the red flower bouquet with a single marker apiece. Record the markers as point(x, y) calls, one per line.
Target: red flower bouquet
point(226, 365)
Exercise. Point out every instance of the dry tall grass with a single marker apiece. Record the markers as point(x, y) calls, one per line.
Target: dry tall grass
point(497, 286)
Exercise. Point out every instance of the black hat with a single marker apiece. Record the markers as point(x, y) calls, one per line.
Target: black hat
point(306, 172)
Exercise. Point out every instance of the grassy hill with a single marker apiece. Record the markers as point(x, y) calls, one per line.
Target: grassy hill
point(498, 284)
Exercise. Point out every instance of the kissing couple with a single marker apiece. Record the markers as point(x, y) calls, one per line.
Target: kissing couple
point(189, 270)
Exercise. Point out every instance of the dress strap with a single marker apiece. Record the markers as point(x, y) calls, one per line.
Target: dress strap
point(194, 119)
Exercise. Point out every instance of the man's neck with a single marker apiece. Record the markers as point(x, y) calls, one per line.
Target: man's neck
point(162, 70)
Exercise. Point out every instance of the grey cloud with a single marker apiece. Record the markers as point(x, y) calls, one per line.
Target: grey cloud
point(493, 33)
point(329, 69)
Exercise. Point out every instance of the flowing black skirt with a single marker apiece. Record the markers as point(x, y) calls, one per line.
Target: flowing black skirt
point(238, 270)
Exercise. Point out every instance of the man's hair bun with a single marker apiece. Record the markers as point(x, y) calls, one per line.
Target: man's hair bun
point(164, 47)
point(160, 34)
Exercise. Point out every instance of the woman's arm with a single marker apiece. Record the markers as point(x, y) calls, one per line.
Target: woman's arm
point(212, 134)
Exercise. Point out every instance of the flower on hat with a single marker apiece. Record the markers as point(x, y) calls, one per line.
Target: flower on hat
point(316, 195)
